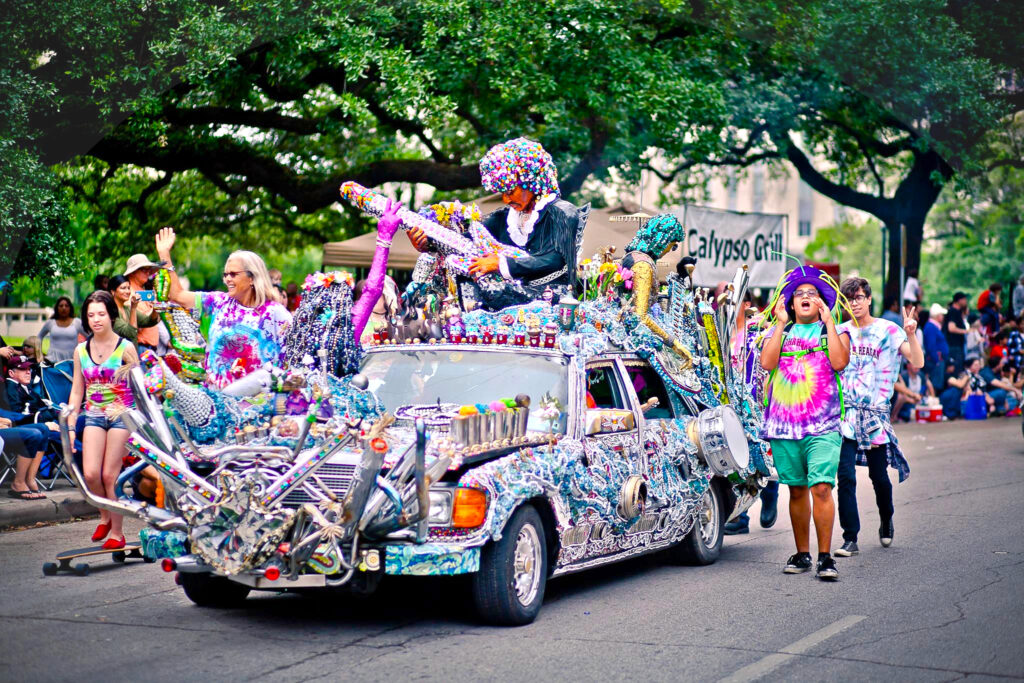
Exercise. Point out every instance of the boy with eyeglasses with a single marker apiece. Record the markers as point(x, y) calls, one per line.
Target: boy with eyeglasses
point(868, 380)
point(803, 409)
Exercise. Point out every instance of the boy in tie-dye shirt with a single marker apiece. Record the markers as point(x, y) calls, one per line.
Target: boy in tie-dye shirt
point(803, 410)
point(868, 438)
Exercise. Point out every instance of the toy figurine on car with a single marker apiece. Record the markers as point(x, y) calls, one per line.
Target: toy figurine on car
point(514, 445)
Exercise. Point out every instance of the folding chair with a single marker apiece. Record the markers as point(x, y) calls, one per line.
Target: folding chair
point(57, 385)
point(7, 461)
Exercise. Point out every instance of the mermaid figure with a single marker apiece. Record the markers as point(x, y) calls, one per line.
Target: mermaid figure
point(653, 240)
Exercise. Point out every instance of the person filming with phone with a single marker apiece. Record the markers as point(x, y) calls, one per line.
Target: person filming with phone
point(130, 321)
point(140, 270)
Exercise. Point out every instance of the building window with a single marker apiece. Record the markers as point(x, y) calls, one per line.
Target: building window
point(806, 210)
point(757, 189)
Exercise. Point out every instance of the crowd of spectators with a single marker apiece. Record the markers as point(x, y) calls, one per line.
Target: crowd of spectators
point(974, 359)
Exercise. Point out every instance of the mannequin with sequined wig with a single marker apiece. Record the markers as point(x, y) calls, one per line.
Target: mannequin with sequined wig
point(653, 240)
point(535, 218)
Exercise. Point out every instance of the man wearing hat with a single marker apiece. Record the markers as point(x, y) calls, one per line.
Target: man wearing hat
point(138, 271)
point(804, 352)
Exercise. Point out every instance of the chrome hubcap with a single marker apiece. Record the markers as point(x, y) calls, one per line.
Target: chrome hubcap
point(527, 565)
point(709, 519)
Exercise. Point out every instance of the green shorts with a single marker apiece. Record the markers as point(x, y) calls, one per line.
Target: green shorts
point(807, 461)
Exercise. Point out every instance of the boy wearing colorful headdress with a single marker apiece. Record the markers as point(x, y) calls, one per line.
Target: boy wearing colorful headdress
point(534, 218)
point(804, 352)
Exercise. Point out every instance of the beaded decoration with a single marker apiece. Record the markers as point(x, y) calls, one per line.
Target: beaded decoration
point(324, 320)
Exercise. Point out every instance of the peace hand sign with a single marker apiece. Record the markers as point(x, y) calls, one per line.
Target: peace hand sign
point(909, 320)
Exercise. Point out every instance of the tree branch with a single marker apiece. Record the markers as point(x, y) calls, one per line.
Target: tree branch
point(306, 194)
point(228, 116)
point(878, 206)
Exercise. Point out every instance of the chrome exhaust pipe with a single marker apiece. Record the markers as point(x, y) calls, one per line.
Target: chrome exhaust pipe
point(422, 490)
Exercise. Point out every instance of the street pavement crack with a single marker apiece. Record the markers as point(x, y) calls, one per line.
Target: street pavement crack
point(958, 604)
point(358, 642)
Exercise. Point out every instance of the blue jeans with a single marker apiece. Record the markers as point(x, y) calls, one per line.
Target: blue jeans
point(878, 466)
point(769, 499)
point(936, 372)
point(26, 440)
point(950, 400)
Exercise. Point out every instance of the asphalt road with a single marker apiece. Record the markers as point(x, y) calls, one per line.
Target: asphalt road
point(942, 604)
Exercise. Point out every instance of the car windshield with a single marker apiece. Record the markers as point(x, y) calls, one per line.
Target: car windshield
point(408, 377)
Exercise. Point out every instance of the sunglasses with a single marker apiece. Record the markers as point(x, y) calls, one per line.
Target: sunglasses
point(805, 294)
point(232, 274)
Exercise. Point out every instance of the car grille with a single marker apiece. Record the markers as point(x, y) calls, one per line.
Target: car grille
point(335, 477)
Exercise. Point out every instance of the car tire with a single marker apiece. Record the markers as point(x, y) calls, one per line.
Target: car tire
point(703, 544)
point(210, 590)
point(508, 590)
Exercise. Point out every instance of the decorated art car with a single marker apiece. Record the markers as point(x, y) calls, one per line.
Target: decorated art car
point(524, 444)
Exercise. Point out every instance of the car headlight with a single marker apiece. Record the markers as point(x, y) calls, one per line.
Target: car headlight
point(440, 507)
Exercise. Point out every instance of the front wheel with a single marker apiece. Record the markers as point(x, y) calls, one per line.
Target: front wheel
point(210, 590)
point(703, 544)
point(509, 588)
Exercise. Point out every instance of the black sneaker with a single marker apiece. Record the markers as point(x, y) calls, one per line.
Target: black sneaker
point(735, 527)
point(886, 532)
point(798, 564)
point(848, 549)
point(827, 569)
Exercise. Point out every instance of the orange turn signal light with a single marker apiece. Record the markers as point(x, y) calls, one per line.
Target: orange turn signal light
point(469, 508)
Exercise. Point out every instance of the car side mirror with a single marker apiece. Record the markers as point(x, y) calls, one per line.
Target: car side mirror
point(609, 421)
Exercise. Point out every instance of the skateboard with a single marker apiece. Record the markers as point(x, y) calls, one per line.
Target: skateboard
point(132, 550)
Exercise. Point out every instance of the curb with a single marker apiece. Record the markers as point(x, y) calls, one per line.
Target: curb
point(56, 508)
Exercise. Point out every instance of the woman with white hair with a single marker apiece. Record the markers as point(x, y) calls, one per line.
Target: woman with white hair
point(245, 327)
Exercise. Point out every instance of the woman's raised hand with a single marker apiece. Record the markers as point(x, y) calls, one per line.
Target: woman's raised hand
point(165, 241)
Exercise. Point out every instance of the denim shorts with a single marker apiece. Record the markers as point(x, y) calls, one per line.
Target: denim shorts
point(104, 422)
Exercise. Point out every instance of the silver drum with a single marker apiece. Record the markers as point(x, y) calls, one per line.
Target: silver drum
point(721, 441)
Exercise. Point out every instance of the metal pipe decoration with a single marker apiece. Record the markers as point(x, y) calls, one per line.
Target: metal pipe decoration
point(149, 408)
point(303, 467)
point(169, 468)
point(422, 492)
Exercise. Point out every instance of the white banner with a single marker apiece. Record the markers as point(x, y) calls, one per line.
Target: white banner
point(722, 241)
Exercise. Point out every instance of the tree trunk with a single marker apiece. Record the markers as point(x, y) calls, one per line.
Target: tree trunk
point(909, 207)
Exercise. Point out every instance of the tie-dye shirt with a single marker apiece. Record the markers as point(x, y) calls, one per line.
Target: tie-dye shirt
point(803, 397)
point(103, 394)
point(872, 372)
point(240, 340)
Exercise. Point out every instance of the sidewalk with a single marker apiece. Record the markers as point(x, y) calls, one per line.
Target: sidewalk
point(63, 503)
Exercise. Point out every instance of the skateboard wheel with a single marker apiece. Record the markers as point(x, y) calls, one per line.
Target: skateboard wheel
point(119, 557)
point(82, 569)
point(49, 569)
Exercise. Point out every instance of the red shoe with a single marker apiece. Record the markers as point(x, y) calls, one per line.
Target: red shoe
point(101, 532)
point(114, 544)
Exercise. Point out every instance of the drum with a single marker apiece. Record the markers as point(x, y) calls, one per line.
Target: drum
point(721, 441)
